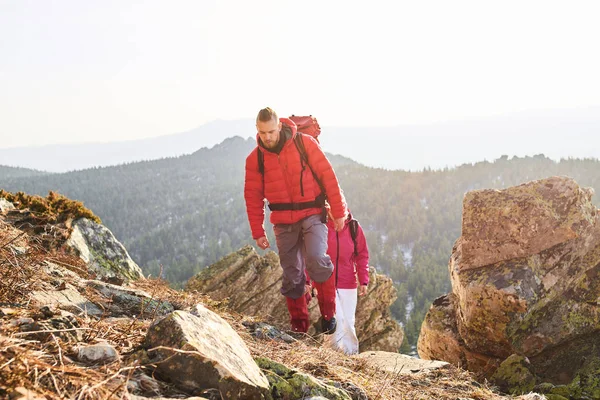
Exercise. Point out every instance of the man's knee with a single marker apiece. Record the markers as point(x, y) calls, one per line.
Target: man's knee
point(319, 268)
point(293, 291)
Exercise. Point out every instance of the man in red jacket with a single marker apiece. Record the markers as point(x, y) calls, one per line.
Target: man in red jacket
point(296, 205)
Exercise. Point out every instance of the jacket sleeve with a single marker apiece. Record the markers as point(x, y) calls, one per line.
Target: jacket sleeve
point(324, 171)
point(254, 194)
point(362, 259)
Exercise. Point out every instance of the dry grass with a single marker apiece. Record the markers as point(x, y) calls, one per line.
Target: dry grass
point(309, 357)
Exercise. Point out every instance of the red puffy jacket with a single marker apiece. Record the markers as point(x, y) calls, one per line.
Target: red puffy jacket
point(281, 182)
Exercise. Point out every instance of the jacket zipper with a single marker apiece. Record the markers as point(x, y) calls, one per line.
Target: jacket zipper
point(301, 175)
point(337, 258)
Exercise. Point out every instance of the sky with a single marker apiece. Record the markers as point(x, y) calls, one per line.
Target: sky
point(75, 71)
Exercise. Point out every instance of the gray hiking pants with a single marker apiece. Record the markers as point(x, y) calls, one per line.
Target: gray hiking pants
point(302, 245)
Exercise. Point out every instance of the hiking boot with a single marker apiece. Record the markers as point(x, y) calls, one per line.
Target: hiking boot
point(328, 327)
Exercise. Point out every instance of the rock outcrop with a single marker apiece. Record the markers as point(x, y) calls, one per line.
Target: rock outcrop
point(525, 283)
point(101, 251)
point(60, 222)
point(250, 284)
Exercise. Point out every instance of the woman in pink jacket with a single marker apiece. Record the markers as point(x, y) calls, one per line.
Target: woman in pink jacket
point(350, 261)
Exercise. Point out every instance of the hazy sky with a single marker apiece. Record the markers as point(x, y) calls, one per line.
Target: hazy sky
point(97, 71)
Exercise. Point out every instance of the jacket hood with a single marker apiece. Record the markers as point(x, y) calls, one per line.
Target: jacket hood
point(284, 121)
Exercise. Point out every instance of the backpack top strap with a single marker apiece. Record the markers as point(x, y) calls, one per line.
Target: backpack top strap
point(301, 149)
point(304, 158)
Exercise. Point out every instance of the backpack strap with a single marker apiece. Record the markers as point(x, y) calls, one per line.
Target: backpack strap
point(304, 161)
point(354, 234)
point(261, 161)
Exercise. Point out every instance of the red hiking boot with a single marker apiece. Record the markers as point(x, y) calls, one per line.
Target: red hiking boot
point(326, 297)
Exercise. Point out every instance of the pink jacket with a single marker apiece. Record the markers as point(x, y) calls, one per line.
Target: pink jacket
point(346, 264)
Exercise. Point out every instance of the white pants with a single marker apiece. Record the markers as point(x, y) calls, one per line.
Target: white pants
point(344, 338)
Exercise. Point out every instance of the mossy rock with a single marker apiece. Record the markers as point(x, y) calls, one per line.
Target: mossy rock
point(555, 397)
point(289, 384)
point(513, 375)
point(587, 381)
point(561, 390)
point(544, 388)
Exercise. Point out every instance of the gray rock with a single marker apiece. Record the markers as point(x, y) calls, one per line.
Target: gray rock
point(144, 385)
point(397, 363)
point(97, 353)
point(57, 271)
point(21, 321)
point(69, 299)
point(211, 355)
point(104, 254)
point(64, 327)
point(128, 301)
point(264, 331)
point(5, 205)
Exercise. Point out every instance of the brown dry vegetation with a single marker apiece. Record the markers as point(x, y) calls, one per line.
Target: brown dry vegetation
point(54, 208)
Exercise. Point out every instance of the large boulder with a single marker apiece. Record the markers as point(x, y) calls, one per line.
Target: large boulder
point(102, 252)
point(199, 350)
point(525, 282)
point(250, 284)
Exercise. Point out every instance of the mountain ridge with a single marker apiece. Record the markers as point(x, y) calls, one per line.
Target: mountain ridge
point(556, 133)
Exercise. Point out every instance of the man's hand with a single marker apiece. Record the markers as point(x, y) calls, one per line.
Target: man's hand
point(307, 288)
point(362, 290)
point(339, 224)
point(262, 242)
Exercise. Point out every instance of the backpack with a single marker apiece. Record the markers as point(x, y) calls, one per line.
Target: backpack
point(307, 125)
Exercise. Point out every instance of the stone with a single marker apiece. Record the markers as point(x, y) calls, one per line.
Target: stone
point(399, 364)
point(97, 353)
point(514, 376)
point(129, 301)
point(264, 331)
point(5, 205)
point(103, 253)
point(69, 299)
point(64, 327)
point(199, 350)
